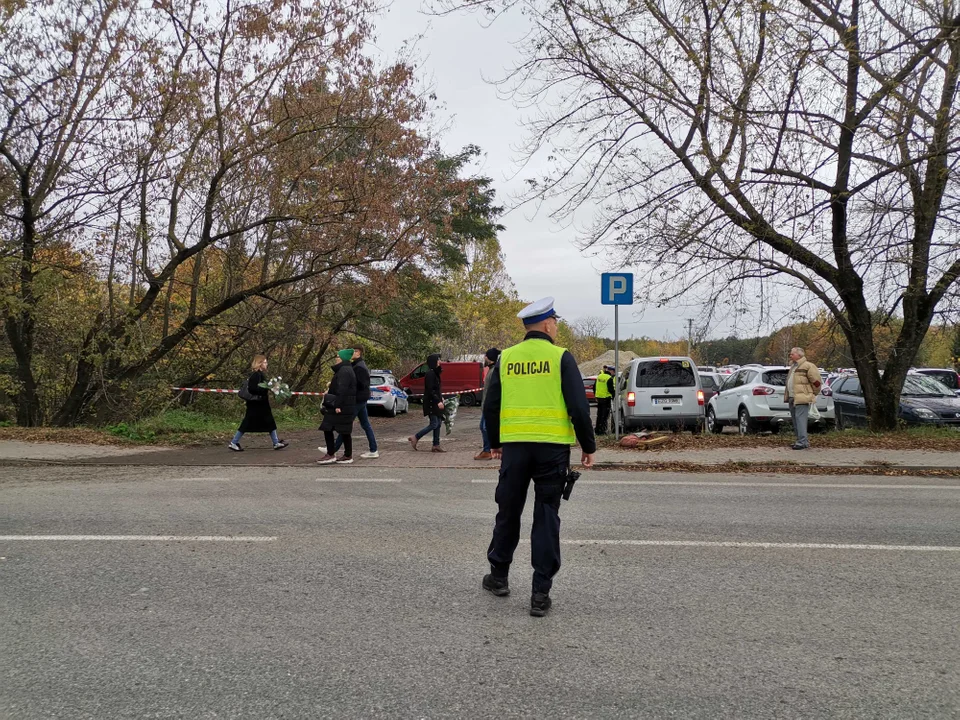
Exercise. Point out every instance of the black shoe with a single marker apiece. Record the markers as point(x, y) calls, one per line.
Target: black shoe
point(495, 585)
point(539, 604)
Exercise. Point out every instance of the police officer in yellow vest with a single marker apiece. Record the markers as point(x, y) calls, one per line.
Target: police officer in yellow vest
point(603, 392)
point(535, 408)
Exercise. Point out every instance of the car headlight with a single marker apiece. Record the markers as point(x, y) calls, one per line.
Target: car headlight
point(925, 413)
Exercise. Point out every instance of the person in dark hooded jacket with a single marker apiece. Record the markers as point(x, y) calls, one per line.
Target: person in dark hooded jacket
point(339, 409)
point(432, 404)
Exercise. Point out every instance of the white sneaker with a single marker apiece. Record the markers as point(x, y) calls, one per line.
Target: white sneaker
point(236, 448)
point(371, 455)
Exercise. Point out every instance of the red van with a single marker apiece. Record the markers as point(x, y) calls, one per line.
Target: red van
point(462, 377)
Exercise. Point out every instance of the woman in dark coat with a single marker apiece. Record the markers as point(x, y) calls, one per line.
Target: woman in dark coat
point(259, 416)
point(432, 404)
point(339, 409)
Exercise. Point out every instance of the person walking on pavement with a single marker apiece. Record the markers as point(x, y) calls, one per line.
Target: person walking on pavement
point(603, 392)
point(535, 408)
point(258, 416)
point(803, 386)
point(489, 360)
point(363, 394)
point(339, 409)
point(432, 404)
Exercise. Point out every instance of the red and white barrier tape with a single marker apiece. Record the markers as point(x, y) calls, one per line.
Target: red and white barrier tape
point(451, 394)
point(230, 390)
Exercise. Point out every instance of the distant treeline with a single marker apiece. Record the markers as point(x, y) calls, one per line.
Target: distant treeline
point(823, 343)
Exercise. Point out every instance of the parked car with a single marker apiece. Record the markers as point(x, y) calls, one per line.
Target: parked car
point(710, 382)
point(947, 376)
point(456, 377)
point(706, 369)
point(661, 392)
point(590, 388)
point(386, 394)
point(831, 378)
point(923, 401)
point(752, 400)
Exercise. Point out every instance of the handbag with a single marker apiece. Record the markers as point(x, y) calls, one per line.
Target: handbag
point(245, 394)
point(329, 404)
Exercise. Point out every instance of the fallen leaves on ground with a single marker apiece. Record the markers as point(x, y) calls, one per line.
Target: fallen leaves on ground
point(744, 468)
point(943, 440)
point(74, 436)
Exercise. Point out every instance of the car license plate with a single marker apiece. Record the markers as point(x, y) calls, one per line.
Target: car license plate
point(666, 401)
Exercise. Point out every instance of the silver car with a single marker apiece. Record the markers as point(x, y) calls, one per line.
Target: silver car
point(661, 392)
point(386, 394)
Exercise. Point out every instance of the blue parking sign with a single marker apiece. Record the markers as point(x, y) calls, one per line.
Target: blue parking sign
point(616, 289)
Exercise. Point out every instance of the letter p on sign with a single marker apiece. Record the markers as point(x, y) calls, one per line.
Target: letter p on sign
point(616, 289)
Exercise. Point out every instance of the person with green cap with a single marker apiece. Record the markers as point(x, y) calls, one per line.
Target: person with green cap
point(339, 409)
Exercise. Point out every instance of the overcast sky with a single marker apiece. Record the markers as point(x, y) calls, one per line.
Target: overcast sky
point(458, 58)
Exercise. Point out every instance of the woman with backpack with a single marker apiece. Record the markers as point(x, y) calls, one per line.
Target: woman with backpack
point(339, 409)
point(259, 416)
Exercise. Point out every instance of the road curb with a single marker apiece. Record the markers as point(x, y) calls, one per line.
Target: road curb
point(780, 468)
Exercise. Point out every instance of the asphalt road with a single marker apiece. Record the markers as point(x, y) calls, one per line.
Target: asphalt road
point(357, 595)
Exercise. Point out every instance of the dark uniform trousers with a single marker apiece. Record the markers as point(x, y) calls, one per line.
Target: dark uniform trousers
point(603, 415)
point(547, 465)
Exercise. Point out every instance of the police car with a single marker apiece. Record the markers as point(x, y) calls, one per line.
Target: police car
point(386, 394)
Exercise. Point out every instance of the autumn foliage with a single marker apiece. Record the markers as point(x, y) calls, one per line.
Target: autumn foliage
point(188, 182)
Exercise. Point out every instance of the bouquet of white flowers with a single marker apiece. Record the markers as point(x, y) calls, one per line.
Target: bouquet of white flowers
point(280, 390)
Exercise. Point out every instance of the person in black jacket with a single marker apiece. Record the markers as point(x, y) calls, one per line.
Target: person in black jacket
point(432, 404)
point(339, 409)
point(258, 416)
point(363, 394)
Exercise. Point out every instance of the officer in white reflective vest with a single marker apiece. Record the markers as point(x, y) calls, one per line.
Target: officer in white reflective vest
point(535, 409)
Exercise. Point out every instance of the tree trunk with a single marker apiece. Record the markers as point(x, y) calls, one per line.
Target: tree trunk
point(20, 334)
point(20, 326)
point(82, 392)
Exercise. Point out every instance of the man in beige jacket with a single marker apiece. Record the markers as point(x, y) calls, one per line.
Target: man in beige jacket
point(803, 386)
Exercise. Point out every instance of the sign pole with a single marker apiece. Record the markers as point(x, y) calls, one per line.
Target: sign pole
point(616, 289)
point(616, 373)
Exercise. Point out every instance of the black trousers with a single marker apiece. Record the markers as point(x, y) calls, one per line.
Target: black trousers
point(603, 415)
point(547, 465)
point(332, 445)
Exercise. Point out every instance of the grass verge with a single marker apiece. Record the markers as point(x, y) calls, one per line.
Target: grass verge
point(173, 427)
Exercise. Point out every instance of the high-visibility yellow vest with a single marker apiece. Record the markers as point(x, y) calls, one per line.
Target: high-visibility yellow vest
point(532, 408)
point(602, 390)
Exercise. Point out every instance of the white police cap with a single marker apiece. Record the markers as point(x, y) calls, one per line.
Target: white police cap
point(537, 311)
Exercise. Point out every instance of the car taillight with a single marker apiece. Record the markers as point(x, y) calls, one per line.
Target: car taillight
point(382, 388)
point(631, 399)
point(699, 397)
point(827, 392)
point(763, 390)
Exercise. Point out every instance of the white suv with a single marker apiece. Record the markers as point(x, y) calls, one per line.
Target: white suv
point(752, 400)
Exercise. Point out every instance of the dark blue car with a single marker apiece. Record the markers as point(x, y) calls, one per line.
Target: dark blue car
point(924, 401)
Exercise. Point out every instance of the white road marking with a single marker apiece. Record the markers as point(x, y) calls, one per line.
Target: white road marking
point(763, 545)
point(148, 538)
point(200, 479)
point(701, 483)
point(359, 480)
